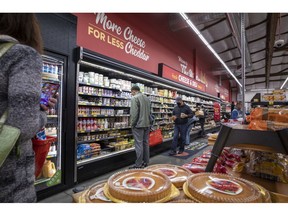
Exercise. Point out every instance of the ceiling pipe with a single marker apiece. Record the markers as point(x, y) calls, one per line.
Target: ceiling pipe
point(270, 40)
point(234, 23)
point(243, 60)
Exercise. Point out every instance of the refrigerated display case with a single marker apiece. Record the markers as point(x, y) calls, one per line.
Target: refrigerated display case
point(104, 140)
point(51, 173)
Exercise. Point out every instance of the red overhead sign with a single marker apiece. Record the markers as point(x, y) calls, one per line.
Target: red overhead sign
point(217, 112)
point(176, 76)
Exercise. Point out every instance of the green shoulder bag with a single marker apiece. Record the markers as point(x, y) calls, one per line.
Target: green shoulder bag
point(8, 135)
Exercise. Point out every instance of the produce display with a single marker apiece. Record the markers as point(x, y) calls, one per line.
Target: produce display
point(177, 174)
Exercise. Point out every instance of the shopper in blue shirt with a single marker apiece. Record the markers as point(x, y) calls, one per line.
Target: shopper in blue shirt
point(237, 113)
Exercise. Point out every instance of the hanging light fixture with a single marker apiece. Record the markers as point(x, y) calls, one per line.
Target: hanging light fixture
point(284, 83)
point(194, 28)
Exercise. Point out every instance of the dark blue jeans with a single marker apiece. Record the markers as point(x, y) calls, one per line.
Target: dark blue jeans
point(179, 129)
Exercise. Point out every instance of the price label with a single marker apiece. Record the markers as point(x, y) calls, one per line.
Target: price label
point(271, 103)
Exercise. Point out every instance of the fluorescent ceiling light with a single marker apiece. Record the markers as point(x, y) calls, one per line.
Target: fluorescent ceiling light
point(284, 83)
point(189, 22)
point(259, 90)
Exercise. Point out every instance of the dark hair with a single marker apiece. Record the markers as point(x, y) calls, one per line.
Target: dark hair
point(24, 27)
point(135, 88)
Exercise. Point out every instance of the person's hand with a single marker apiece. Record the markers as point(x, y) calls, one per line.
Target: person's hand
point(173, 117)
point(51, 104)
point(183, 115)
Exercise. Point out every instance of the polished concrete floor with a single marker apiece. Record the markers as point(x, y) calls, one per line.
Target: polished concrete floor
point(163, 158)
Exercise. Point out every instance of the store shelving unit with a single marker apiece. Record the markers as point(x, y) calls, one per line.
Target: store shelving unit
point(271, 103)
point(92, 98)
point(270, 141)
point(52, 73)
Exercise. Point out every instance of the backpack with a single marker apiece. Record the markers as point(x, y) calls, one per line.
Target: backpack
point(8, 135)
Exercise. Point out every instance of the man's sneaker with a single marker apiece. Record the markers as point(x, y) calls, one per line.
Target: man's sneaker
point(180, 152)
point(172, 153)
point(144, 165)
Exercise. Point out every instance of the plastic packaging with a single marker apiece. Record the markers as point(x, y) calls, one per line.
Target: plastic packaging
point(268, 119)
point(177, 174)
point(139, 186)
point(273, 166)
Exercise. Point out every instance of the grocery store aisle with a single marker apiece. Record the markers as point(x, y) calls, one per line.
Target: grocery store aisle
point(163, 158)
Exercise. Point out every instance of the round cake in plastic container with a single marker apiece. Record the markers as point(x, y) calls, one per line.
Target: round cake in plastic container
point(221, 188)
point(95, 194)
point(140, 185)
point(178, 175)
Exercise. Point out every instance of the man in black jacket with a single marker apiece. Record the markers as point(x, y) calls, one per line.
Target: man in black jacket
point(181, 113)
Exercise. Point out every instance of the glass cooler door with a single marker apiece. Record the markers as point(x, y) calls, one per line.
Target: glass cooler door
point(50, 174)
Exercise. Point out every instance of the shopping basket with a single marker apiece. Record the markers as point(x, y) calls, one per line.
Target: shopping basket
point(41, 149)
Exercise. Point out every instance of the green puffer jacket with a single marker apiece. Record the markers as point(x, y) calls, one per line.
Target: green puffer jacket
point(140, 111)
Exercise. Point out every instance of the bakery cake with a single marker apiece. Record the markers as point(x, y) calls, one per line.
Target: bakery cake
point(95, 194)
point(138, 186)
point(177, 174)
point(221, 188)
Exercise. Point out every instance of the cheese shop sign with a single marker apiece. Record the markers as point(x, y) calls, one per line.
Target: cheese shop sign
point(102, 31)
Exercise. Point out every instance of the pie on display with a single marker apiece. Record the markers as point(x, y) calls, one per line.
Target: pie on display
point(221, 188)
point(169, 172)
point(224, 186)
point(138, 186)
point(177, 174)
point(95, 194)
point(142, 183)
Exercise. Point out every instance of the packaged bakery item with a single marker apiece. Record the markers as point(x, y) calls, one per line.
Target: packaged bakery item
point(177, 174)
point(272, 166)
point(95, 194)
point(221, 188)
point(139, 185)
point(268, 119)
point(195, 168)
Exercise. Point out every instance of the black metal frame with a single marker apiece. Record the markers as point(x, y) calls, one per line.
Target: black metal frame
point(229, 137)
point(56, 28)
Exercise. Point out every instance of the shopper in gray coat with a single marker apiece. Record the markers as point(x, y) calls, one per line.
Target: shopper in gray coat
point(140, 119)
point(20, 89)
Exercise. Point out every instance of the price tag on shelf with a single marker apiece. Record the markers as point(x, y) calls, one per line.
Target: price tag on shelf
point(271, 103)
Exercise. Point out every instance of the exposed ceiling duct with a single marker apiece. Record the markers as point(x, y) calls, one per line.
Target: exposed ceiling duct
point(234, 23)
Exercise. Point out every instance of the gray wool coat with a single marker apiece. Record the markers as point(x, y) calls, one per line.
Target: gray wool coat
point(20, 89)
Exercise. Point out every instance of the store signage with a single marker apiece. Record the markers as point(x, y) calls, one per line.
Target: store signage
point(201, 77)
point(185, 69)
point(217, 111)
point(121, 37)
point(176, 76)
point(102, 31)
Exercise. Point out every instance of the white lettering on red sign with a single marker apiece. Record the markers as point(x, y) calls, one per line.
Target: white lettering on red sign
point(128, 35)
point(107, 24)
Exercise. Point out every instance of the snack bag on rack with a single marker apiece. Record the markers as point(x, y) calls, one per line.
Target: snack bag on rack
point(273, 166)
